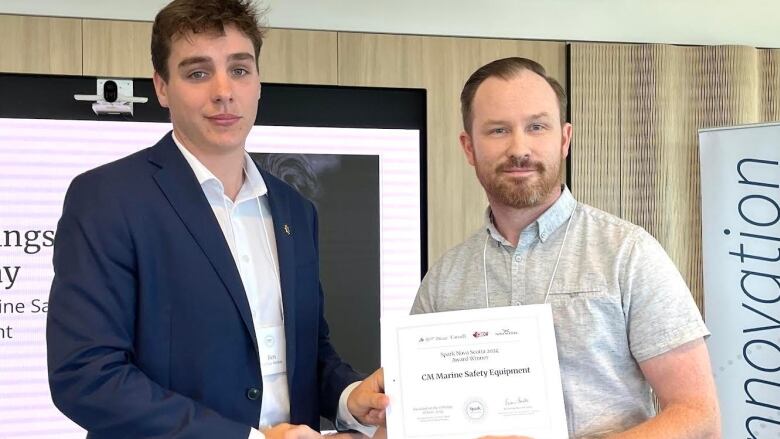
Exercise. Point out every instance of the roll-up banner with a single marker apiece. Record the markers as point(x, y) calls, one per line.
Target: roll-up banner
point(740, 193)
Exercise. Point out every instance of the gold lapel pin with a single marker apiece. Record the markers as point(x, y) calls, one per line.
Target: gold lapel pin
point(287, 230)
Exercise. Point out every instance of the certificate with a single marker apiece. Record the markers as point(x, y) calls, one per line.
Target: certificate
point(464, 374)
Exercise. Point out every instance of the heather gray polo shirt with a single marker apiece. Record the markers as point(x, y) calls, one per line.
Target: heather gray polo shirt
point(617, 300)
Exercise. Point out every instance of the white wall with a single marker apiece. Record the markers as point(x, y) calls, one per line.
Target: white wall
point(746, 22)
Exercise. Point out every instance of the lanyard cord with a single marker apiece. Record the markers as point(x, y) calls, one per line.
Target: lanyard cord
point(555, 268)
point(234, 247)
point(560, 252)
point(271, 255)
point(229, 214)
point(484, 269)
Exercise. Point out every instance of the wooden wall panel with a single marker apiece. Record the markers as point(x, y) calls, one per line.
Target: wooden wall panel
point(657, 97)
point(40, 45)
point(595, 111)
point(770, 66)
point(299, 57)
point(441, 65)
point(378, 59)
point(121, 49)
point(117, 48)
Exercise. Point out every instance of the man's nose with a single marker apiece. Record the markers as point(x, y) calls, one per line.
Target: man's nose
point(222, 88)
point(518, 145)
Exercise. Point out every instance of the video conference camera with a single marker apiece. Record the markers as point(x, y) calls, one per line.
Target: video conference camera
point(113, 96)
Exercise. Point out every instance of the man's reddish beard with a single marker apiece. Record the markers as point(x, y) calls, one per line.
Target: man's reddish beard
point(519, 192)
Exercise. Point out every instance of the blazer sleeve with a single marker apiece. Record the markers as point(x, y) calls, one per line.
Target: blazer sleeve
point(90, 330)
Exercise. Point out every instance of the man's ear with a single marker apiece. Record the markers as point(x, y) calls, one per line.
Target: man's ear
point(566, 131)
point(161, 88)
point(468, 147)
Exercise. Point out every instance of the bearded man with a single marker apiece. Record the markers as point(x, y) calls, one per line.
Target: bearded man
point(624, 320)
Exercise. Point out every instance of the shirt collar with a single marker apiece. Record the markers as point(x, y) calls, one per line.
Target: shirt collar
point(547, 222)
point(253, 187)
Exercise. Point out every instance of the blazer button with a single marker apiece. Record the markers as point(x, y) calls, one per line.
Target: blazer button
point(253, 394)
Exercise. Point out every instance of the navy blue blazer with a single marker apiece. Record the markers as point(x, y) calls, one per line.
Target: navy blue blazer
point(149, 331)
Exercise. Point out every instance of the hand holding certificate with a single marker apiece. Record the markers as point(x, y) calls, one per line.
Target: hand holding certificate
point(466, 374)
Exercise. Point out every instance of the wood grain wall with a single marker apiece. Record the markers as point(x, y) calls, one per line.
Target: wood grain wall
point(638, 108)
point(438, 64)
point(40, 45)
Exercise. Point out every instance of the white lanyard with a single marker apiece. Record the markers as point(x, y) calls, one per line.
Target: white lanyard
point(270, 338)
point(555, 268)
point(229, 214)
point(271, 255)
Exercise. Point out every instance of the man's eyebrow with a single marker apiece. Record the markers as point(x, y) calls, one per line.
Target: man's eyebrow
point(242, 56)
point(186, 62)
point(495, 122)
point(541, 115)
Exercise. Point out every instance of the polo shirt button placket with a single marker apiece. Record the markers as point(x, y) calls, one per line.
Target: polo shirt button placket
point(518, 259)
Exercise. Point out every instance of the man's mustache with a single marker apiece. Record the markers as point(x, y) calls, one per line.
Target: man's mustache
point(522, 162)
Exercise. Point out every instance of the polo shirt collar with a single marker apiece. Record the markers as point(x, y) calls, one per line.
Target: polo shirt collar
point(546, 224)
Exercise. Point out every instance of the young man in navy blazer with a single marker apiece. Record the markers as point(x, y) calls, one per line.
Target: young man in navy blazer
point(186, 300)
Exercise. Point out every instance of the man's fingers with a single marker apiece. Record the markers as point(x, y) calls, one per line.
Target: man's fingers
point(375, 417)
point(378, 414)
point(380, 378)
point(301, 432)
point(380, 401)
point(288, 431)
point(367, 402)
point(372, 400)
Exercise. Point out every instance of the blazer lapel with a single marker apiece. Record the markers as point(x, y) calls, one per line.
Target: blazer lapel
point(177, 181)
point(285, 249)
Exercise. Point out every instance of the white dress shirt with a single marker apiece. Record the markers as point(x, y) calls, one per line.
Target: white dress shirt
point(249, 231)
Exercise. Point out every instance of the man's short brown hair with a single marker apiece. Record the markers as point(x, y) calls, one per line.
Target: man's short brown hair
point(181, 17)
point(506, 69)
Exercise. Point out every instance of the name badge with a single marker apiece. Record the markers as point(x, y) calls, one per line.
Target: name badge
point(273, 356)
